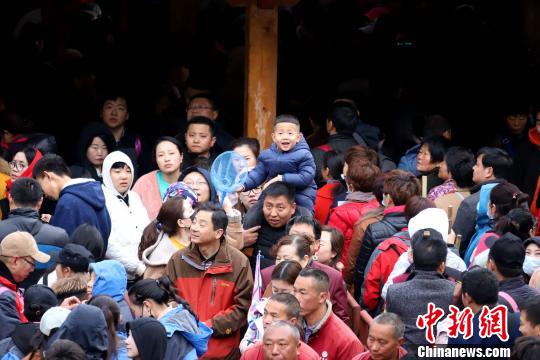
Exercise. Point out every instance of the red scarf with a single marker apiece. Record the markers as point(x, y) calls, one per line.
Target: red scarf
point(6, 285)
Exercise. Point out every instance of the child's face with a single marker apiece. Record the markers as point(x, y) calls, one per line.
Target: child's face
point(516, 123)
point(199, 139)
point(286, 136)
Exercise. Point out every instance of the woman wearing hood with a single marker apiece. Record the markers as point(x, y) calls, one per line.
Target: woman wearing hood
point(108, 277)
point(127, 212)
point(169, 232)
point(147, 339)
point(153, 186)
point(95, 143)
point(200, 181)
point(187, 337)
point(86, 326)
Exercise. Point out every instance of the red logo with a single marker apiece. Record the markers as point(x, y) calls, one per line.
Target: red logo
point(429, 321)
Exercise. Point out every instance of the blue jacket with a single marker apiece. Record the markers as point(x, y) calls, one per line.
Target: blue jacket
point(111, 280)
point(408, 161)
point(187, 338)
point(80, 203)
point(296, 166)
point(483, 222)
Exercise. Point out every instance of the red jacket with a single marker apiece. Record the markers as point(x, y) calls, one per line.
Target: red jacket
point(381, 268)
point(256, 352)
point(334, 340)
point(345, 216)
point(367, 355)
point(338, 294)
point(220, 294)
point(324, 201)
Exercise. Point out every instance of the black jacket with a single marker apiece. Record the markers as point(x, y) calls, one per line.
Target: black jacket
point(518, 290)
point(338, 142)
point(466, 216)
point(375, 234)
point(49, 238)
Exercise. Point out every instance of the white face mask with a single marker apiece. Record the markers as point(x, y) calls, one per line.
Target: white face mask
point(383, 202)
point(530, 264)
point(489, 215)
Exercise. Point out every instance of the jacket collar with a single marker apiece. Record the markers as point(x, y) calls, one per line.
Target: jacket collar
point(398, 210)
point(423, 274)
point(221, 263)
point(512, 283)
point(6, 278)
point(477, 187)
point(312, 330)
point(24, 212)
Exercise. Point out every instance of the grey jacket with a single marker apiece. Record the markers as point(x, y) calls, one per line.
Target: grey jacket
point(411, 298)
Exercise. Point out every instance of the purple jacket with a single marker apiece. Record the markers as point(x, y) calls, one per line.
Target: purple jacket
point(338, 294)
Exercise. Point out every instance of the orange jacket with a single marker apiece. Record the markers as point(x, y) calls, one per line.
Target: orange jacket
point(218, 292)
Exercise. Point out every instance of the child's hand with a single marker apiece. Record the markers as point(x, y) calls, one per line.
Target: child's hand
point(277, 178)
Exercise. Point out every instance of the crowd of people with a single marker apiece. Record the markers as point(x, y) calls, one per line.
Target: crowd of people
point(106, 259)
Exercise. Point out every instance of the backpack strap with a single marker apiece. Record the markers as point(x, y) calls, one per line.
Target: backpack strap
point(506, 296)
point(325, 147)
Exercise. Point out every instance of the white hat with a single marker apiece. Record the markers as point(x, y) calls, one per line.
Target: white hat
point(431, 218)
point(53, 319)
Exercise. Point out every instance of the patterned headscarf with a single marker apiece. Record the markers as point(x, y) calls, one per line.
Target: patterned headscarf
point(180, 189)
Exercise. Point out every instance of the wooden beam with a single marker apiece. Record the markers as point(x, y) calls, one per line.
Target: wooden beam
point(261, 71)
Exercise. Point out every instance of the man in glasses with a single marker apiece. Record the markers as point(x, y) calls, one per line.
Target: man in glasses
point(18, 256)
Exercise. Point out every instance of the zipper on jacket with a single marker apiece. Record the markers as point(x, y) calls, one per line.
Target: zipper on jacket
point(214, 285)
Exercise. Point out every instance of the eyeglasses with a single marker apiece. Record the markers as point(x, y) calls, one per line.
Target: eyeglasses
point(17, 165)
point(255, 191)
point(31, 263)
point(193, 183)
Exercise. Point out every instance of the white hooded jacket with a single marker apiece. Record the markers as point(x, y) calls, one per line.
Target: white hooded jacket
point(128, 222)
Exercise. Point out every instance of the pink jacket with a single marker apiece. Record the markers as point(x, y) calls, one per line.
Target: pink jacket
point(148, 189)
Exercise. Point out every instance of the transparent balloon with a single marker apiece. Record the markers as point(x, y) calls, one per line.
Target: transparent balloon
point(229, 171)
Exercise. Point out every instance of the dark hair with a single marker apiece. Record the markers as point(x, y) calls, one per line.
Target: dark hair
point(167, 221)
point(280, 188)
point(208, 97)
point(301, 243)
point(334, 161)
point(202, 120)
point(111, 312)
point(436, 125)
point(532, 310)
point(29, 153)
point(160, 290)
point(89, 236)
point(321, 278)
point(507, 244)
point(429, 249)
point(344, 116)
point(286, 118)
point(26, 192)
point(526, 348)
point(63, 349)
point(498, 159)
point(308, 220)
point(291, 304)
point(336, 242)
point(506, 196)
point(169, 139)
point(113, 95)
point(518, 222)
point(361, 152)
point(437, 146)
point(219, 218)
point(460, 162)
point(361, 174)
point(481, 285)
point(51, 163)
point(401, 186)
point(252, 143)
point(416, 204)
point(287, 271)
point(119, 165)
point(378, 187)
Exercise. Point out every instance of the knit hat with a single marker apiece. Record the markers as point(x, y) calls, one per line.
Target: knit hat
point(431, 218)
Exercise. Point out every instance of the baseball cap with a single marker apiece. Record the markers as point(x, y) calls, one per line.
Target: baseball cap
point(21, 244)
point(77, 257)
point(39, 298)
point(508, 252)
point(53, 319)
